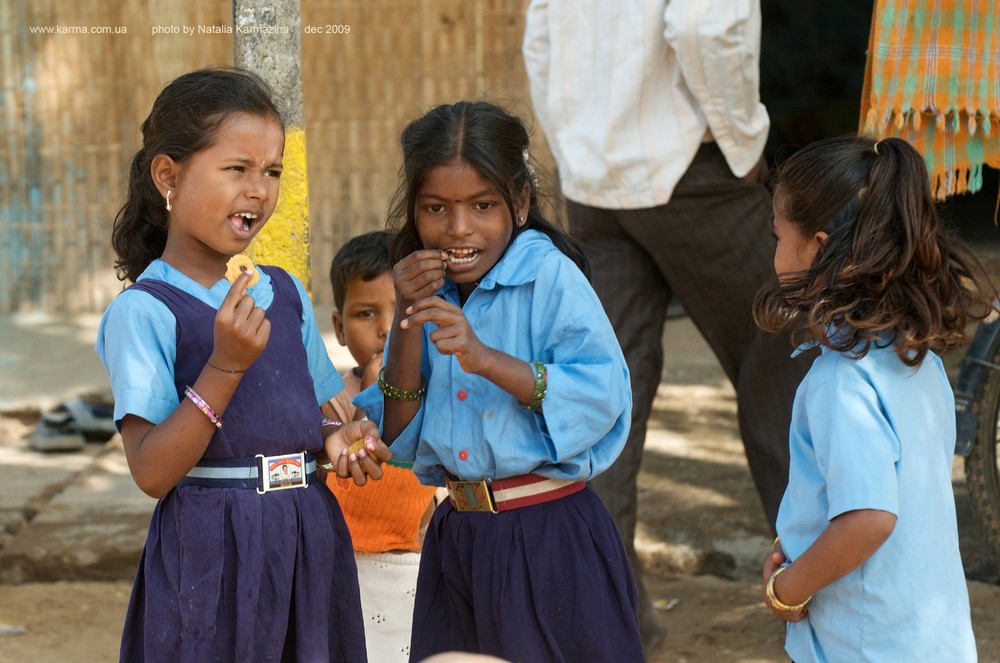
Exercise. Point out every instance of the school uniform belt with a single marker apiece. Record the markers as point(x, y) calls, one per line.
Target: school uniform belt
point(264, 473)
point(490, 496)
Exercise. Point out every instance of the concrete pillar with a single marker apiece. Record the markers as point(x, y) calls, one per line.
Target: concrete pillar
point(267, 38)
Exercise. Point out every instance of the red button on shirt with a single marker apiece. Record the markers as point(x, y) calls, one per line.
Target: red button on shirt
point(463, 455)
point(462, 394)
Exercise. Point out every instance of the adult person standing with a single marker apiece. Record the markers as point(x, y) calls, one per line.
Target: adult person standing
point(653, 115)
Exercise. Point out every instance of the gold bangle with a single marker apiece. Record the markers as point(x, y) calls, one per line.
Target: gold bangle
point(775, 601)
point(397, 394)
point(541, 384)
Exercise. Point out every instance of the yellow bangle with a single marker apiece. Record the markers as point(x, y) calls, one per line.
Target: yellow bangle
point(775, 601)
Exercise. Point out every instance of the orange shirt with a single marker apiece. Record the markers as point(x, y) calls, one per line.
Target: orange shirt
point(383, 515)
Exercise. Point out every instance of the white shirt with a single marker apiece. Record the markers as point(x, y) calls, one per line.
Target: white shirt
point(626, 91)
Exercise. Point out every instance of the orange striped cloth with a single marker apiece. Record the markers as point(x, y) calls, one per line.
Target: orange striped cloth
point(932, 77)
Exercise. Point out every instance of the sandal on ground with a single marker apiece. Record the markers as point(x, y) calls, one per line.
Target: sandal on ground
point(56, 435)
point(71, 424)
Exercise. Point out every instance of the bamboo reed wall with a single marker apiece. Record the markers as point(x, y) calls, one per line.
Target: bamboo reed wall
point(71, 105)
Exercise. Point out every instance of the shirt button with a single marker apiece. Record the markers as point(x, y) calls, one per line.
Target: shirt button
point(463, 455)
point(462, 394)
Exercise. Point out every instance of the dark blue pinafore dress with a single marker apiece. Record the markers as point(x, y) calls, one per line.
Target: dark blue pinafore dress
point(228, 574)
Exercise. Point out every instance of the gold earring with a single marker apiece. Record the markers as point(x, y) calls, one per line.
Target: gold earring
point(169, 207)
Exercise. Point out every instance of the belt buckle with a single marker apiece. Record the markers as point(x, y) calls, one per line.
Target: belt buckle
point(472, 495)
point(282, 472)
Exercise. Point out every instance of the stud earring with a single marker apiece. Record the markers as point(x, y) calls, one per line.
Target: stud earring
point(169, 207)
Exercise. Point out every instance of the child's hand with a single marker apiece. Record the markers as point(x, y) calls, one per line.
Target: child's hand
point(772, 563)
point(363, 463)
point(774, 559)
point(370, 374)
point(419, 275)
point(454, 335)
point(241, 329)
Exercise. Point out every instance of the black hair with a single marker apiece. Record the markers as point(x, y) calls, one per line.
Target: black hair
point(183, 120)
point(363, 257)
point(492, 141)
point(888, 272)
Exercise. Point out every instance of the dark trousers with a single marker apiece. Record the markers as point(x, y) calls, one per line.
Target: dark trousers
point(711, 247)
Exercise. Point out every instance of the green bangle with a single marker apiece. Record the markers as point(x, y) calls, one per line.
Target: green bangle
point(397, 394)
point(541, 384)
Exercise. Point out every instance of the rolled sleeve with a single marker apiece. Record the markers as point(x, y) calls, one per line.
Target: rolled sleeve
point(588, 399)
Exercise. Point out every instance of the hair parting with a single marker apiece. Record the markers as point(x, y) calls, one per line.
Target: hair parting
point(492, 141)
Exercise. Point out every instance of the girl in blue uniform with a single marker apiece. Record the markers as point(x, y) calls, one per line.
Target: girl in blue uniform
point(503, 381)
point(217, 391)
point(867, 566)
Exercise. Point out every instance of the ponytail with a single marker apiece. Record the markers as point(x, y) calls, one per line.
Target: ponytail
point(139, 234)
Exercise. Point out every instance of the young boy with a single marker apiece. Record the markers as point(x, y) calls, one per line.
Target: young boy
point(386, 517)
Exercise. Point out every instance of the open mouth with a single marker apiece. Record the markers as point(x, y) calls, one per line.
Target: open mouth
point(243, 221)
point(462, 256)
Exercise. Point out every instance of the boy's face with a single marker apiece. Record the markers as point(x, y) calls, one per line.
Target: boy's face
point(369, 307)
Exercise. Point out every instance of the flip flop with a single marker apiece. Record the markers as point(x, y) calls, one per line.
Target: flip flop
point(71, 424)
point(95, 421)
point(51, 435)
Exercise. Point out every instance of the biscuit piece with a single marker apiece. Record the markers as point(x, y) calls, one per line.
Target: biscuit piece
point(356, 446)
point(238, 264)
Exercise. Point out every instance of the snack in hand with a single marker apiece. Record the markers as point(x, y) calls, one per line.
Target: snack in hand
point(238, 264)
point(356, 446)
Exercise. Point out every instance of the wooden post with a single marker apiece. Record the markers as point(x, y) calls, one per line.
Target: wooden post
point(267, 38)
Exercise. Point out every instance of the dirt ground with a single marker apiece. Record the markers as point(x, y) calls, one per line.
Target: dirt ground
point(702, 538)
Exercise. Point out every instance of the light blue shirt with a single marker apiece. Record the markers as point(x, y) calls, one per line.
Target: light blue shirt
point(873, 433)
point(535, 304)
point(137, 343)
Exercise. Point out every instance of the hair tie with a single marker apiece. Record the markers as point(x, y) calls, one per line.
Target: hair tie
point(875, 147)
point(527, 165)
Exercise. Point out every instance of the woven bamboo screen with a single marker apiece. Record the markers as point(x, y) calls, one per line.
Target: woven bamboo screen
point(72, 104)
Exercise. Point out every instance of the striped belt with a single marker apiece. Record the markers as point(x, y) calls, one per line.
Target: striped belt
point(505, 494)
point(264, 473)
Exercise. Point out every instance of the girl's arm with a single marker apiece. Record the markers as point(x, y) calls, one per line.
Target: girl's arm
point(160, 455)
point(416, 277)
point(846, 543)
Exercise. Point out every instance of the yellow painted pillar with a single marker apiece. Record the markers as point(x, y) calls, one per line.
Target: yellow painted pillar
point(267, 38)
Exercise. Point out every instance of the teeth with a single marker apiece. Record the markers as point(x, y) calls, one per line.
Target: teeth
point(461, 256)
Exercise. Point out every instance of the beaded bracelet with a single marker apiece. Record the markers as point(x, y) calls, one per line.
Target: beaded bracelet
point(541, 384)
point(331, 422)
point(775, 601)
point(200, 403)
point(397, 394)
